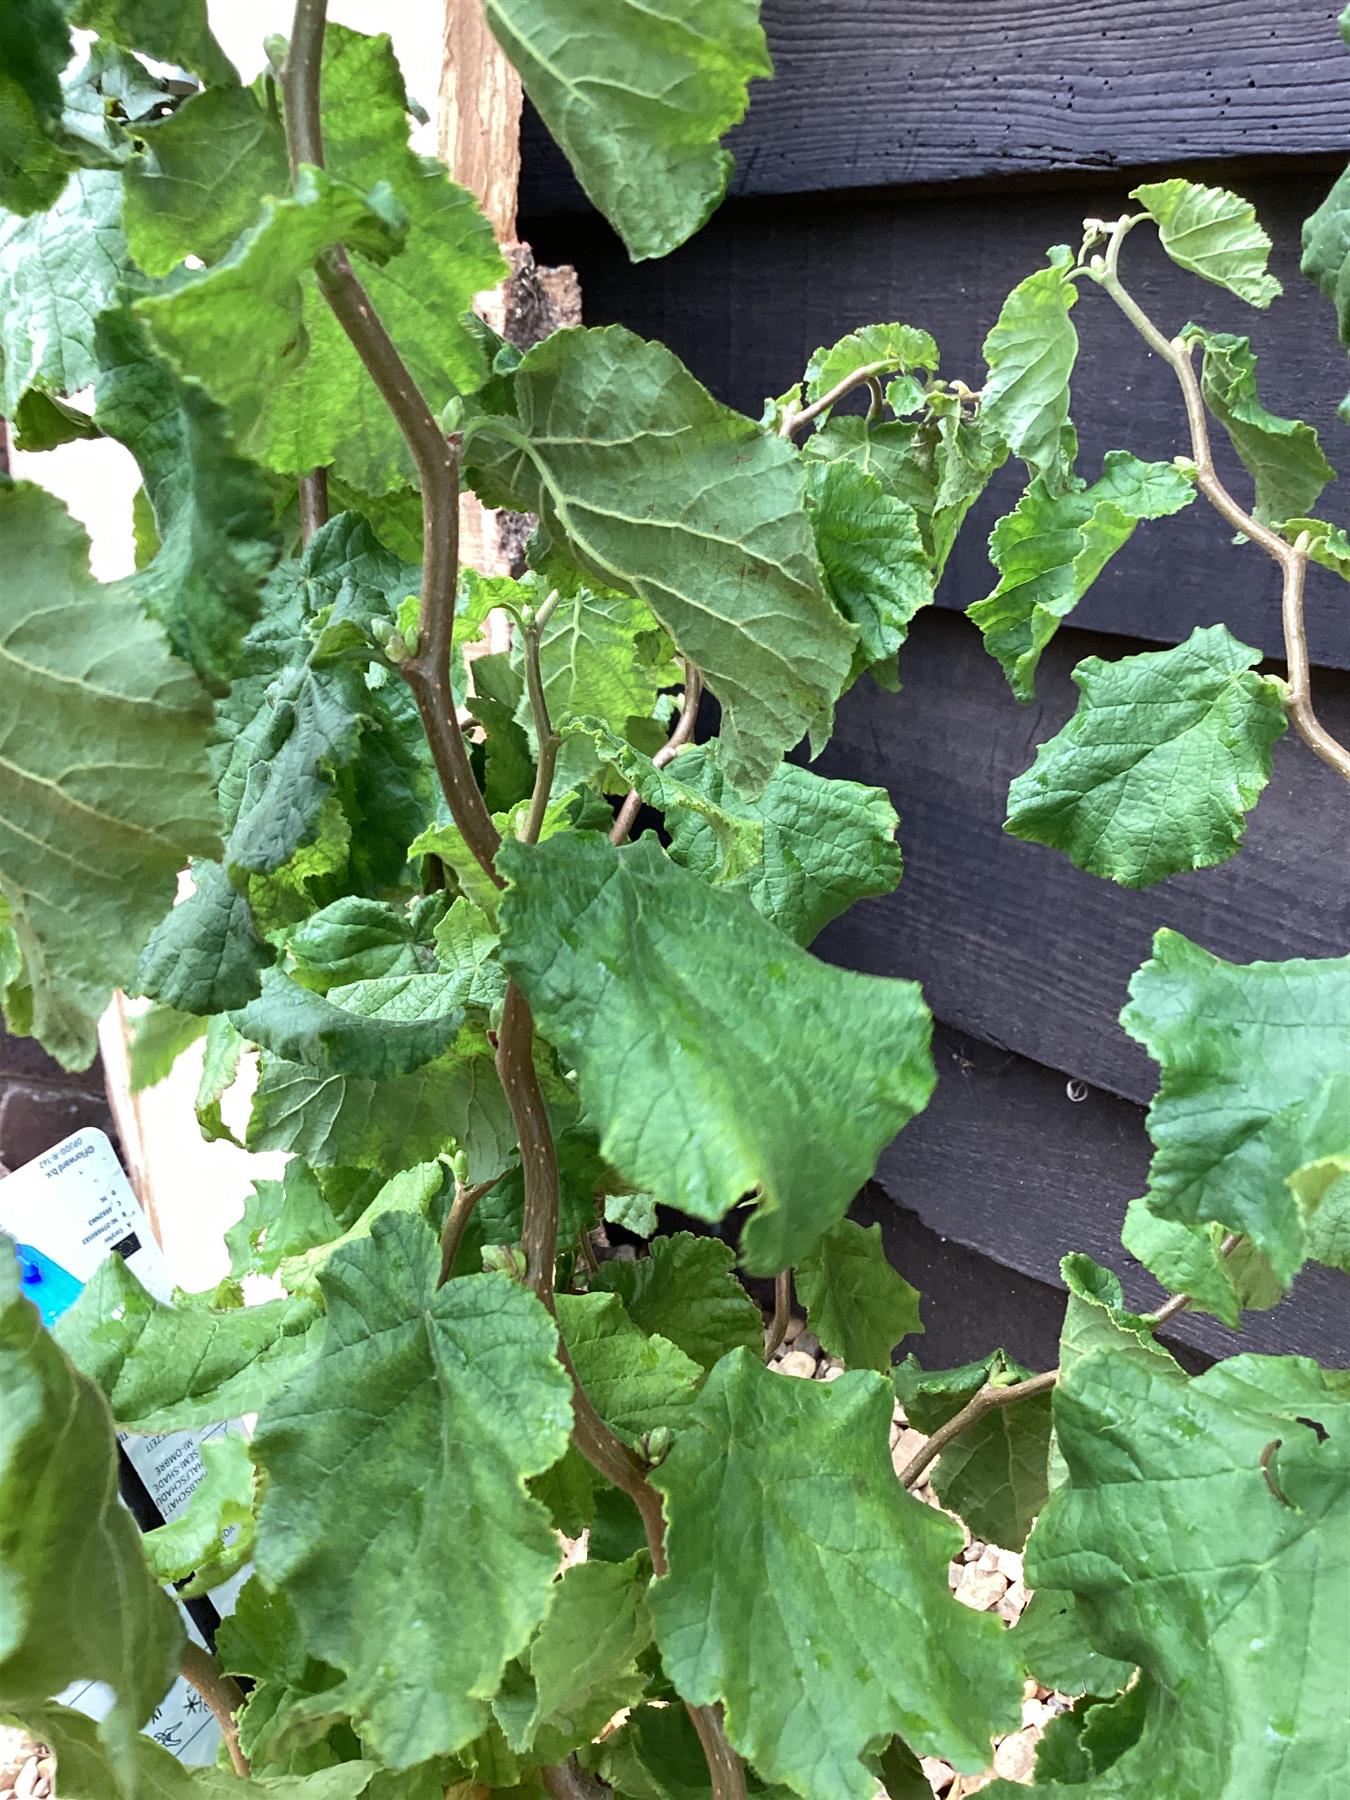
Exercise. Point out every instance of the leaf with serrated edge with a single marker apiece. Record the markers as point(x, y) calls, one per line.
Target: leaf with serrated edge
point(1245, 1051)
point(1031, 352)
point(1187, 1260)
point(882, 348)
point(79, 1602)
point(1212, 233)
point(96, 711)
point(206, 956)
point(174, 1368)
point(636, 1382)
point(1283, 456)
point(684, 1290)
point(384, 1027)
point(1156, 770)
point(193, 1542)
point(638, 100)
point(1327, 544)
point(341, 1525)
point(414, 1190)
point(638, 473)
point(34, 51)
point(780, 1616)
point(872, 555)
point(679, 1060)
point(856, 1303)
point(1050, 549)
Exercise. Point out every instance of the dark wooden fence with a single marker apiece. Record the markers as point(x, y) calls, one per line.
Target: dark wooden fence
point(913, 160)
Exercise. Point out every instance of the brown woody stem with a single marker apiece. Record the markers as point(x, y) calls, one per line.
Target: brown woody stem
point(793, 421)
point(782, 1313)
point(224, 1697)
point(456, 1223)
point(679, 737)
point(313, 489)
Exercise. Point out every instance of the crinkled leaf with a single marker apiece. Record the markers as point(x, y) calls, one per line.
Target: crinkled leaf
point(198, 177)
point(1282, 456)
point(638, 473)
point(1050, 549)
point(856, 1303)
point(1031, 352)
point(778, 1611)
point(1051, 1641)
point(175, 31)
point(1212, 233)
point(467, 953)
point(1249, 1055)
point(1326, 255)
point(1185, 1558)
point(1155, 772)
point(34, 51)
point(1327, 544)
point(342, 1526)
point(826, 843)
point(174, 1368)
point(1187, 1259)
point(677, 1049)
point(96, 711)
point(212, 1537)
point(206, 955)
point(384, 1027)
point(221, 1057)
point(280, 1219)
point(872, 554)
point(1096, 1317)
point(994, 1474)
point(879, 349)
point(58, 271)
point(356, 939)
point(416, 1190)
point(636, 1382)
point(79, 1602)
point(639, 100)
point(684, 1290)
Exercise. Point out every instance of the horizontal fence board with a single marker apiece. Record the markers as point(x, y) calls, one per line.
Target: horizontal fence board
point(1012, 943)
point(1004, 1162)
point(873, 93)
point(747, 301)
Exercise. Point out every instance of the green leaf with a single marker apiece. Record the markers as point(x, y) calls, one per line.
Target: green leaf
point(656, 1755)
point(1164, 756)
point(1184, 1560)
point(1249, 1054)
point(994, 1474)
point(1051, 1641)
point(773, 1614)
point(196, 183)
point(79, 1603)
point(635, 1382)
point(1212, 233)
point(455, 1101)
point(213, 515)
point(466, 950)
point(175, 31)
point(206, 955)
point(356, 939)
point(34, 51)
point(1097, 1318)
point(1327, 544)
point(872, 554)
point(58, 271)
point(679, 1054)
point(260, 1638)
point(212, 1537)
point(158, 1037)
point(174, 1368)
point(1031, 352)
point(416, 1190)
point(281, 1219)
point(220, 1066)
point(638, 101)
point(880, 349)
point(1187, 1260)
point(1282, 456)
point(1326, 256)
point(581, 1668)
point(684, 1290)
point(856, 1303)
point(1050, 549)
point(96, 839)
point(429, 1475)
point(385, 1027)
point(653, 487)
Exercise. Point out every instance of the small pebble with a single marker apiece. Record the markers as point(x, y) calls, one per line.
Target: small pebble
point(981, 1589)
point(796, 1362)
point(1010, 1563)
point(832, 1374)
point(940, 1775)
point(1013, 1604)
point(988, 1561)
point(1015, 1757)
point(795, 1327)
point(807, 1341)
point(906, 1447)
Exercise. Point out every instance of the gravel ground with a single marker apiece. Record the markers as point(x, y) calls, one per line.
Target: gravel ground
point(27, 1769)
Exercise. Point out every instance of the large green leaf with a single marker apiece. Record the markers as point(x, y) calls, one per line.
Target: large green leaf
point(356, 939)
point(879, 349)
point(1212, 233)
point(173, 1368)
point(1031, 352)
point(213, 514)
point(175, 31)
point(58, 271)
point(819, 1623)
point(1282, 456)
point(417, 1190)
point(426, 1479)
point(79, 1602)
point(385, 1027)
point(1156, 770)
point(856, 1303)
point(1204, 1531)
point(206, 956)
point(638, 98)
point(639, 474)
point(674, 1004)
point(637, 1383)
point(684, 1290)
point(34, 50)
point(1189, 1259)
point(1249, 1055)
point(872, 554)
point(199, 177)
point(1326, 250)
point(105, 785)
point(1050, 549)
point(994, 1474)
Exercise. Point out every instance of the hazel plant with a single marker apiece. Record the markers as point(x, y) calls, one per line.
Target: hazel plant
point(519, 946)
